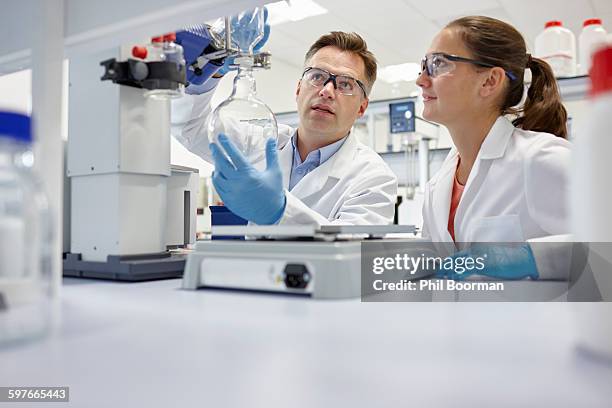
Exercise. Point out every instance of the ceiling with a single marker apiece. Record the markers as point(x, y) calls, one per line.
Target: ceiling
point(399, 31)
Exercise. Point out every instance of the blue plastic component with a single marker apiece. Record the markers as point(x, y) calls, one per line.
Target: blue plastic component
point(194, 41)
point(16, 126)
point(221, 215)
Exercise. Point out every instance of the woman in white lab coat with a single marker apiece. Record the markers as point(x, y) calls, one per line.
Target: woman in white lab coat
point(506, 178)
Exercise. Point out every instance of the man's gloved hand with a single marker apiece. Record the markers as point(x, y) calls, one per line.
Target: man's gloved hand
point(503, 261)
point(195, 39)
point(257, 196)
point(244, 30)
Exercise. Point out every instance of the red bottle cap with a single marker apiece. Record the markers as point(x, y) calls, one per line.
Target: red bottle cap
point(554, 23)
point(601, 71)
point(139, 52)
point(591, 21)
point(170, 37)
point(157, 39)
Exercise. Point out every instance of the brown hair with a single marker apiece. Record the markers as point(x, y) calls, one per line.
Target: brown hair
point(351, 42)
point(498, 43)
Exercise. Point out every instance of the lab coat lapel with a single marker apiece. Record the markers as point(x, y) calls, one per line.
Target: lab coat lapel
point(334, 167)
point(441, 196)
point(343, 157)
point(475, 179)
point(285, 161)
point(493, 147)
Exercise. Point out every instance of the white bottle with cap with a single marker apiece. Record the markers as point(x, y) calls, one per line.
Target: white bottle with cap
point(593, 36)
point(557, 46)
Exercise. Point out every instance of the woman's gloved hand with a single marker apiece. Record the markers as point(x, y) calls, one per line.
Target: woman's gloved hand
point(503, 261)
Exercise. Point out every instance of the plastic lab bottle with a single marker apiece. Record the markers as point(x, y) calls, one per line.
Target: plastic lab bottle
point(25, 236)
point(557, 46)
point(592, 37)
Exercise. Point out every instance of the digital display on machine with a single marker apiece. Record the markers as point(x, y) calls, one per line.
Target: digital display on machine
point(401, 117)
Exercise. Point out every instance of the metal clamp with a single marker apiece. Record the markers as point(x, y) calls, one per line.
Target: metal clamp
point(262, 60)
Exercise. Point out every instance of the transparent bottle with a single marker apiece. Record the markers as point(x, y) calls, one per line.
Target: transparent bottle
point(164, 48)
point(156, 49)
point(172, 51)
point(25, 237)
point(246, 30)
point(243, 118)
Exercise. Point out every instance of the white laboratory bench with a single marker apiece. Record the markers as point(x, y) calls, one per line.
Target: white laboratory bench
point(153, 344)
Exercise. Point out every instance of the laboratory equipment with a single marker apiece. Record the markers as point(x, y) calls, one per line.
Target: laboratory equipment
point(127, 205)
point(221, 215)
point(320, 262)
point(593, 36)
point(243, 118)
point(402, 117)
point(557, 46)
point(204, 58)
point(165, 49)
point(211, 49)
point(183, 186)
point(25, 236)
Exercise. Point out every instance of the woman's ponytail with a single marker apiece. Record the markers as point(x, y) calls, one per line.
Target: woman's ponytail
point(543, 110)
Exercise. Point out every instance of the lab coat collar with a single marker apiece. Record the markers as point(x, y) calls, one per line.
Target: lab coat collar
point(335, 167)
point(495, 144)
point(493, 147)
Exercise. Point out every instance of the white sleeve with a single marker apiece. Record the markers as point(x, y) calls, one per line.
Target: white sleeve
point(371, 202)
point(189, 116)
point(553, 256)
point(547, 184)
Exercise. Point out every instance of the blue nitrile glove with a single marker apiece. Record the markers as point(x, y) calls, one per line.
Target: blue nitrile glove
point(257, 196)
point(244, 29)
point(503, 261)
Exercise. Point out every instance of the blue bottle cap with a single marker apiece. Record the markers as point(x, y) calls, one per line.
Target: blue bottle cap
point(16, 126)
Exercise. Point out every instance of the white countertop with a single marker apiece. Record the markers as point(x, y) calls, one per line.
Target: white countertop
point(154, 345)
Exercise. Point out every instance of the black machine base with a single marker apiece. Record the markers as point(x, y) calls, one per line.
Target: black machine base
point(127, 268)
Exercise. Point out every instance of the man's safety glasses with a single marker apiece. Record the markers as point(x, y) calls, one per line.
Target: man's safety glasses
point(344, 84)
point(438, 63)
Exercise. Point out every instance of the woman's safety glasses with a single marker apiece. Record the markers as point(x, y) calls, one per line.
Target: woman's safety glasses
point(344, 84)
point(438, 63)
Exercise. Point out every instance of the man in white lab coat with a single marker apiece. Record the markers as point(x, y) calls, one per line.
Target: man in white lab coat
point(319, 173)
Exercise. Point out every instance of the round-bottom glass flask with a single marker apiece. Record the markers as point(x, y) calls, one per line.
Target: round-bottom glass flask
point(243, 118)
